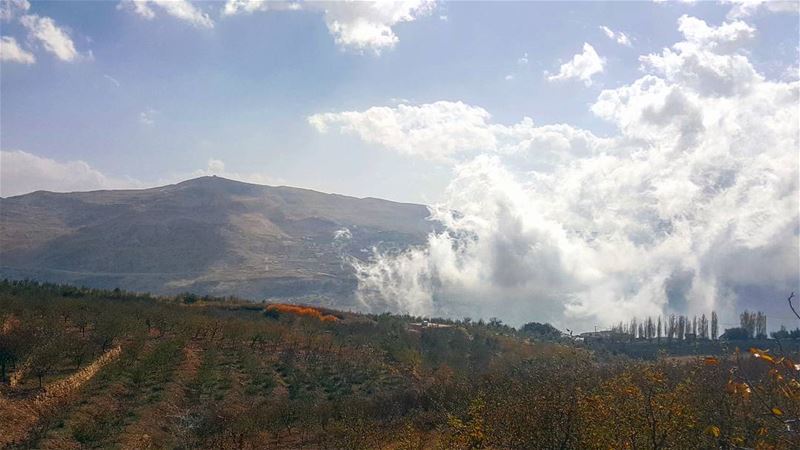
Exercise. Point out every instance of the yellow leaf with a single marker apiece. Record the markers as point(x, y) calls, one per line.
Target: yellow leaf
point(762, 354)
point(713, 430)
point(777, 411)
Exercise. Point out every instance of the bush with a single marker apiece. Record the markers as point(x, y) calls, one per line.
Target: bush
point(735, 334)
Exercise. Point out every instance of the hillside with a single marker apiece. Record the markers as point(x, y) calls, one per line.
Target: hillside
point(111, 369)
point(208, 235)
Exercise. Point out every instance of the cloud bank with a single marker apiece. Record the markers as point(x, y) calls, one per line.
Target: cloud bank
point(22, 172)
point(448, 131)
point(693, 205)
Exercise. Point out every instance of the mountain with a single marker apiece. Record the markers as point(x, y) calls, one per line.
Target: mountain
point(208, 235)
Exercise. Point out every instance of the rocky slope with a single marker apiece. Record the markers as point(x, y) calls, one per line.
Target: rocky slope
point(206, 235)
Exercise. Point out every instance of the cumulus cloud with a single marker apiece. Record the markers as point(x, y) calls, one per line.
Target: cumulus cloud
point(368, 25)
point(356, 25)
point(10, 51)
point(692, 206)
point(746, 8)
point(180, 9)
point(54, 39)
point(581, 67)
point(618, 36)
point(444, 130)
point(22, 172)
point(709, 60)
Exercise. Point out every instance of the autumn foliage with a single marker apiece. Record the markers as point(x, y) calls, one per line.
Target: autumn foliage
point(110, 369)
point(304, 311)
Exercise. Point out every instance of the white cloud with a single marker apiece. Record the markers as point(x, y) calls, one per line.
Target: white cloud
point(445, 131)
point(618, 36)
point(10, 51)
point(217, 167)
point(49, 35)
point(148, 117)
point(180, 9)
point(9, 9)
point(726, 38)
point(582, 66)
point(692, 206)
point(791, 73)
point(43, 32)
point(509, 77)
point(746, 8)
point(434, 131)
point(356, 25)
point(368, 25)
point(523, 60)
point(111, 79)
point(23, 172)
point(710, 59)
point(233, 7)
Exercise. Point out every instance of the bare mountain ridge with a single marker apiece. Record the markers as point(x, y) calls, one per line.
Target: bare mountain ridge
point(206, 235)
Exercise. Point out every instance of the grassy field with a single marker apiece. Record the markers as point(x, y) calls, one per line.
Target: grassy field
point(110, 369)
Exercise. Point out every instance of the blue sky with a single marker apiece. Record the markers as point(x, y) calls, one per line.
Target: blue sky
point(607, 159)
point(240, 92)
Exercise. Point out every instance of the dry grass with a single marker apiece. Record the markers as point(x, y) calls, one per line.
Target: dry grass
point(21, 416)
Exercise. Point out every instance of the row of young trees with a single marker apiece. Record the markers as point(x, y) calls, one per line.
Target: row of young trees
point(672, 327)
point(753, 325)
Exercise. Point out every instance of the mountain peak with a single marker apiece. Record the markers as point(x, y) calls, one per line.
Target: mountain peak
point(206, 235)
point(217, 184)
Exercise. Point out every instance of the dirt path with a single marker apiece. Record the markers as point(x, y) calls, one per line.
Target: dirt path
point(102, 412)
point(21, 417)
